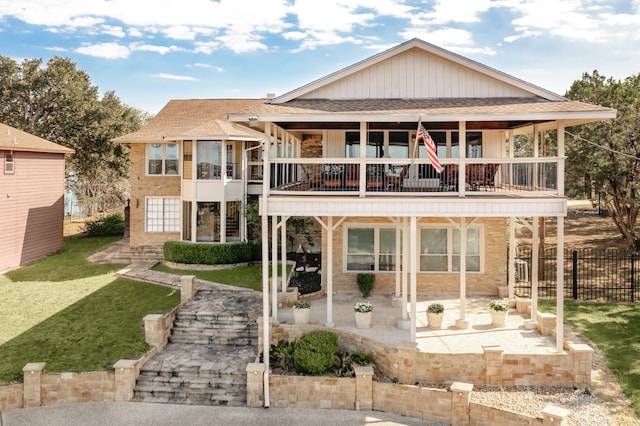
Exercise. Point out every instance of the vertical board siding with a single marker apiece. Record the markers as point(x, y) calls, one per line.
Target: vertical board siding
point(31, 214)
point(416, 74)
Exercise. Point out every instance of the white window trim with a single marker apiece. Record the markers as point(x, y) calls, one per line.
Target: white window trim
point(376, 245)
point(164, 159)
point(178, 225)
point(450, 227)
point(9, 163)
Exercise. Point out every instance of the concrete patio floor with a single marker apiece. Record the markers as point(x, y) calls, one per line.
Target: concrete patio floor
point(514, 337)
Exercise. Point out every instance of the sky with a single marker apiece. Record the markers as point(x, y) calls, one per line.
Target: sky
point(151, 51)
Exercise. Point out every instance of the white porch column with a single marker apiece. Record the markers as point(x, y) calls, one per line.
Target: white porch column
point(283, 252)
point(535, 260)
point(329, 323)
point(462, 142)
point(413, 260)
point(265, 297)
point(398, 249)
point(363, 156)
point(403, 323)
point(462, 322)
point(560, 284)
point(511, 267)
point(274, 268)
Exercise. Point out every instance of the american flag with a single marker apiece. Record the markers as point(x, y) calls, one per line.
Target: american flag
point(424, 136)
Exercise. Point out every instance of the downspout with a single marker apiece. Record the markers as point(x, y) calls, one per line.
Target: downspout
point(266, 174)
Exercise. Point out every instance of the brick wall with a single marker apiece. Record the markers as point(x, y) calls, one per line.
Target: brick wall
point(141, 187)
point(495, 262)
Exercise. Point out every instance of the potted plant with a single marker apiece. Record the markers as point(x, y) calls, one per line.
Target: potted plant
point(364, 312)
point(499, 310)
point(435, 314)
point(301, 312)
point(366, 282)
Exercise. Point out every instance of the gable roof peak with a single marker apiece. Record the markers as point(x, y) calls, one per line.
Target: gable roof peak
point(426, 47)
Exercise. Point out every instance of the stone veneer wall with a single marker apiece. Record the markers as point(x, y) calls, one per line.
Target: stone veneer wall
point(491, 368)
point(487, 282)
point(447, 406)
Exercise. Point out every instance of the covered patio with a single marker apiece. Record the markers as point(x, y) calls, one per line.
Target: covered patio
point(514, 338)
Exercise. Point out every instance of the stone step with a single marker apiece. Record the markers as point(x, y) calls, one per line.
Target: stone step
point(191, 397)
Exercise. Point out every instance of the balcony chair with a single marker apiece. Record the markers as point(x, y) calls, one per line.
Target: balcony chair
point(352, 177)
point(375, 177)
point(333, 177)
point(449, 178)
point(475, 175)
point(397, 182)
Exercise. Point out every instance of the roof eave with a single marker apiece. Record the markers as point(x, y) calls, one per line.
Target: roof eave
point(410, 117)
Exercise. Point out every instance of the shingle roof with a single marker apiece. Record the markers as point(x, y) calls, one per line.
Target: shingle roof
point(462, 106)
point(17, 140)
point(192, 118)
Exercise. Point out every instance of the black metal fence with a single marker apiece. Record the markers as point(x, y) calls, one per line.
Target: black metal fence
point(589, 274)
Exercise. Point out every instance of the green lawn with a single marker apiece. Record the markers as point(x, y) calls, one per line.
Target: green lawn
point(73, 315)
point(243, 276)
point(614, 329)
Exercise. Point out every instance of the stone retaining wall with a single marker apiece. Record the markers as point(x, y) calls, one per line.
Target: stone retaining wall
point(448, 406)
point(491, 368)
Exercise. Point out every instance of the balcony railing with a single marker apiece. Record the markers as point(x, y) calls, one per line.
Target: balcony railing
point(499, 176)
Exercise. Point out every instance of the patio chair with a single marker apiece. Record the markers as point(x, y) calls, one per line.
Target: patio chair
point(449, 178)
point(352, 177)
point(397, 182)
point(475, 174)
point(333, 176)
point(490, 174)
point(375, 177)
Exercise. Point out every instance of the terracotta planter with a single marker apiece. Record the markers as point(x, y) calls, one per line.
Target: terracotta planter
point(301, 316)
point(363, 319)
point(435, 320)
point(499, 318)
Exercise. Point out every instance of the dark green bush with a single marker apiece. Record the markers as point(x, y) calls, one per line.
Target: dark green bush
point(112, 225)
point(212, 254)
point(366, 282)
point(315, 352)
point(281, 355)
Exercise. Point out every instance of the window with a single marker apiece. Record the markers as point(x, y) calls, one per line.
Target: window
point(371, 249)
point(208, 222)
point(162, 214)
point(9, 164)
point(375, 144)
point(162, 158)
point(209, 155)
point(440, 249)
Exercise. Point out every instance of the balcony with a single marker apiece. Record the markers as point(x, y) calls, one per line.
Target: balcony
point(401, 177)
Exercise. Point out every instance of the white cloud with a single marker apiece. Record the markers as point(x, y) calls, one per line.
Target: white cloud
point(165, 76)
point(154, 48)
point(114, 31)
point(105, 50)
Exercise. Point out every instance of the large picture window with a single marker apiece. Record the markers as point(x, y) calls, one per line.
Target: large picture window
point(209, 156)
point(162, 158)
point(440, 249)
point(371, 249)
point(162, 214)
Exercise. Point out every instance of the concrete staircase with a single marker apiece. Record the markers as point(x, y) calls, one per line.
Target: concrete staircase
point(213, 339)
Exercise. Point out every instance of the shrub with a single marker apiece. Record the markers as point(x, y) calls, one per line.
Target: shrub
point(435, 308)
point(301, 304)
point(212, 254)
point(366, 282)
point(110, 226)
point(315, 352)
point(348, 361)
point(281, 355)
point(499, 305)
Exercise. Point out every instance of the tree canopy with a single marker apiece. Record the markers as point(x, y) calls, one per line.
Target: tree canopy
point(603, 158)
point(57, 102)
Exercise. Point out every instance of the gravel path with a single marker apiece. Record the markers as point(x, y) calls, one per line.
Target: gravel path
point(600, 404)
